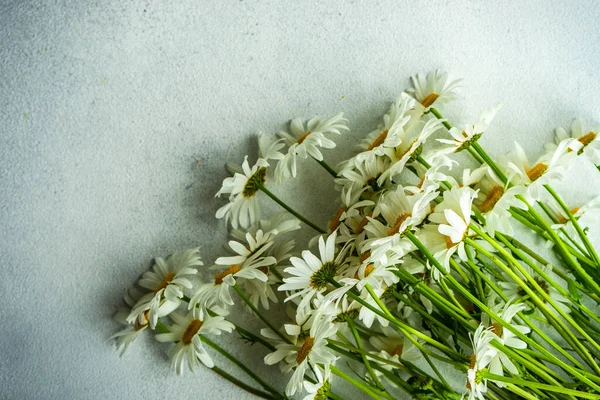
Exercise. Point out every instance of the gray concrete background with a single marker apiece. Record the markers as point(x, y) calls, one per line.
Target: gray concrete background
point(116, 118)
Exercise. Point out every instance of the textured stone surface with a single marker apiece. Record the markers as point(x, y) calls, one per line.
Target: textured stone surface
point(116, 119)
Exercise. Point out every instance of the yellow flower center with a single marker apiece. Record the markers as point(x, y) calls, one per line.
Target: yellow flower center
point(230, 271)
point(497, 328)
point(380, 139)
point(363, 223)
point(431, 97)
point(303, 137)
point(335, 222)
point(449, 242)
point(491, 199)
point(398, 223)
point(587, 138)
point(190, 331)
point(397, 351)
point(537, 171)
point(305, 349)
point(563, 220)
point(165, 282)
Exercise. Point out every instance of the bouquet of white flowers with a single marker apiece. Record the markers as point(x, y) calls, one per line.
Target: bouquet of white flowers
point(429, 282)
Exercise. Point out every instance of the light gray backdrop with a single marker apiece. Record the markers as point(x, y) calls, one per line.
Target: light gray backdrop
point(116, 118)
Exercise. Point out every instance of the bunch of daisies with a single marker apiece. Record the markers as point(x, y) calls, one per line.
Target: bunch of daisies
point(430, 281)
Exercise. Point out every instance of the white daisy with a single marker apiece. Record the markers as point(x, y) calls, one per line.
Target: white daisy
point(549, 168)
point(310, 349)
point(589, 143)
point(167, 281)
point(130, 333)
point(186, 332)
point(507, 312)
point(453, 215)
point(388, 135)
point(319, 390)
point(311, 275)
point(483, 352)
point(434, 90)
point(494, 198)
point(306, 141)
point(242, 188)
point(411, 145)
point(400, 213)
point(471, 133)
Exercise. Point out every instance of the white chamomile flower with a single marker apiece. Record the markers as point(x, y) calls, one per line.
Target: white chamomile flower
point(432, 177)
point(309, 349)
point(483, 352)
point(186, 332)
point(394, 346)
point(434, 90)
point(507, 312)
point(401, 212)
point(130, 333)
point(582, 214)
point(306, 141)
point(242, 208)
point(412, 142)
point(453, 216)
point(268, 149)
point(589, 143)
point(252, 267)
point(461, 139)
point(310, 275)
point(363, 175)
point(549, 168)
point(319, 390)
point(167, 281)
point(494, 198)
point(388, 135)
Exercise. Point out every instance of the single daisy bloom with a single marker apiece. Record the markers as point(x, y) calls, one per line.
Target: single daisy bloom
point(242, 188)
point(130, 333)
point(186, 332)
point(547, 169)
point(311, 275)
point(494, 198)
point(434, 90)
point(309, 349)
point(412, 144)
point(166, 281)
point(268, 149)
point(462, 139)
point(500, 361)
point(388, 135)
point(401, 212)
point(306, 141)
point(319, 390)
point(589, 143)
point(453, 216)
point(483, 352)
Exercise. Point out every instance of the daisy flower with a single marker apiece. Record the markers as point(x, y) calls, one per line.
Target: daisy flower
point(130, 333)
point(411, 145)
point(319, 390)
point(453, 216)
point(461, 139)
point(310, 349)
point(268, 149)
point(388, 135)
point(589, 143)
point(242, 208)
point(363, 175)
point(507, 312)
point(434, 90)
point(400, 213)
point(186, 332)
point(494, 198)
point(547, 169)
point(310, 275)
point(306, 141)
point(483, 352)
point(166, 282)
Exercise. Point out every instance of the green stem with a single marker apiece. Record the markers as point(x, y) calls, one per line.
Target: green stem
point(288, 208)
point(537, 385)
point(370, 391)
point(259, 314)
point(364, 357)
point(240, 365)
point(580, 232)
point(242, 385)
point(327, 167)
